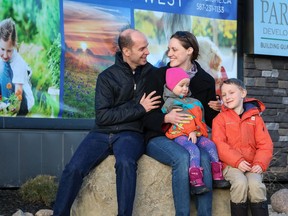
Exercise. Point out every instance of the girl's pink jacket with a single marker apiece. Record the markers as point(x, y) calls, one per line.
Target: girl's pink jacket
point(244, 138)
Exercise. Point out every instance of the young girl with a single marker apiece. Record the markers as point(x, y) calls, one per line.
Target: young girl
point(14, 71)
point(244, 146)
point(191, 134)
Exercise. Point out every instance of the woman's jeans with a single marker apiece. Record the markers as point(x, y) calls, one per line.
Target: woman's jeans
point(172, 154)
point(127, 148)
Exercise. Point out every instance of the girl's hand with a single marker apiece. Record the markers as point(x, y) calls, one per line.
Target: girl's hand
point(256, 169)
point(244, 166)
point(192, 136)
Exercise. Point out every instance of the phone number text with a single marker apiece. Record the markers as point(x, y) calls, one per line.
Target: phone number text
point(210, 8)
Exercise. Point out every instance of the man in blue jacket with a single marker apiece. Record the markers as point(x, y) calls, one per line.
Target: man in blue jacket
point(120, 103)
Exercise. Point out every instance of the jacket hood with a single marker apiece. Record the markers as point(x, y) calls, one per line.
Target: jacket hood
point(252, 102)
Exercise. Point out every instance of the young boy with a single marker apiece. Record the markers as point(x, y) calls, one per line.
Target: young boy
point(244, 146)
point(14, 71)
point(192, 134)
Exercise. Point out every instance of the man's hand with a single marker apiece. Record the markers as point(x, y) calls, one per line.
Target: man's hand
point(150, 102)
point(177, 118)
point(215, 105)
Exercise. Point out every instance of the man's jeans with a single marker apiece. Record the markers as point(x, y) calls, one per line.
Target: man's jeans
point(172, 154)
point(127, 148)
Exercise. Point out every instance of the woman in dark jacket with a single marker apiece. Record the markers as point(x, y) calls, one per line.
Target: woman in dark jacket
point(182, 51)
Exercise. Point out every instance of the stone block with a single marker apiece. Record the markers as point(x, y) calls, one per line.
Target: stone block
point(283, 138)
point(272, 73)
point(272, 126)
point(262, 91)
point(280, 92)
point(97, 196)
point(249, 81)
point(270, 112)
point(282, 117)
point(275, 73)
point(282, 84)
point(261, 82)
point(279, 63)
point(282, 145)
point(279, 158)
point(274, 99)
point(270, 80)
point(283, 75)
point(285, 100)
point(266, 73)
point(252, 72)
point(283, 132)
point(283, 124)
point(263, 64)
point(274, 134)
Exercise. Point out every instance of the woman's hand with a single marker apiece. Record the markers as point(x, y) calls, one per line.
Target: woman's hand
point(215, 105)
point(176, 118)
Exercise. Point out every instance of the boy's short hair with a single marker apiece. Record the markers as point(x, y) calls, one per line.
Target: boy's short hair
point(234, 81)
point(8, 30)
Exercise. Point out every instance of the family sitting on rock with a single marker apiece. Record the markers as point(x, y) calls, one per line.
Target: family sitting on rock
point(132, 118)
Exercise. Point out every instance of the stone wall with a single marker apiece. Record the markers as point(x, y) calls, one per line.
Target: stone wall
point(97, 196)
point(266, 78)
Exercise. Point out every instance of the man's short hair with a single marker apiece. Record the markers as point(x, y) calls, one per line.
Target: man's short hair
point(125, 40)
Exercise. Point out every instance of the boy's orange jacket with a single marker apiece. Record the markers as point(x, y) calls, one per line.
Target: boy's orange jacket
point(245, 138)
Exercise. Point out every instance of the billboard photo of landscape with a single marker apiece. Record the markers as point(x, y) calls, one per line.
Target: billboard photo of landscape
point(90, 32)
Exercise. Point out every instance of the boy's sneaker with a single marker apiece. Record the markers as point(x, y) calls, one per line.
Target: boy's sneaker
point(221, 184)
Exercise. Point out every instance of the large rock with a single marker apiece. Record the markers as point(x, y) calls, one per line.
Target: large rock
point(279, 201)
point(97, 196)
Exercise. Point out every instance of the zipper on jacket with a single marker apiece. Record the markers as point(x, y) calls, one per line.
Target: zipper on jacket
point(135, 85)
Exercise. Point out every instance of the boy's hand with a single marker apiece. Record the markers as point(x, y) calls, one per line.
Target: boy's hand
point(256, 169)
point(244, 166)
